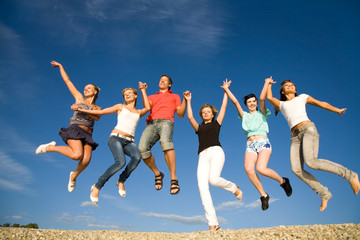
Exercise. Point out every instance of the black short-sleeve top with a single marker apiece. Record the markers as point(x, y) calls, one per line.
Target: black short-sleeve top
point(208, 135)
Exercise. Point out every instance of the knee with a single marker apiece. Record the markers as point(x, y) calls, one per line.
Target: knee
point(214, 181)
point(249, 170)
point(119, 163)
point(261, 170)
point(77, 156)
point(313, 164)
point(297, 171)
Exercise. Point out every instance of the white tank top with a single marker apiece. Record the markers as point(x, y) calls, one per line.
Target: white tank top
point(294, 110)
point(127, 121)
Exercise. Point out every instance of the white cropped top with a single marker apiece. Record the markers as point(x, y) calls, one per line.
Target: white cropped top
point(127, 121)
point(294, 110)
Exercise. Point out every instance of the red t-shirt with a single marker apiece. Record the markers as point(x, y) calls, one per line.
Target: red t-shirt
point(163, 105)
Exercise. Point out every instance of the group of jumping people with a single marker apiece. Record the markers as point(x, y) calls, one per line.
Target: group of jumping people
point(160, 127)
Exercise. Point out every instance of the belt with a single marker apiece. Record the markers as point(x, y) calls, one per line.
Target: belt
point(122, 136)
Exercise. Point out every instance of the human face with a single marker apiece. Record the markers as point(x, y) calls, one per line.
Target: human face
point(89, 90)
point(207, 114)
point(288, 88)
point(129, 96)
point(252, 104)
point(164, 83)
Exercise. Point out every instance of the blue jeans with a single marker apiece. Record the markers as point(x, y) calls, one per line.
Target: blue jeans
point(119, 147)
point(158, 129)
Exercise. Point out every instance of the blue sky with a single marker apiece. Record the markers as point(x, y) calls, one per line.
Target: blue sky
point(115, 44)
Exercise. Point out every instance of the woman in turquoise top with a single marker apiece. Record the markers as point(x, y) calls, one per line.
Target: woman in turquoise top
point(258, 147)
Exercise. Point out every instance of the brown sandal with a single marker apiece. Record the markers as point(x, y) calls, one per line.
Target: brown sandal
point(159, 181)
point(174, 185)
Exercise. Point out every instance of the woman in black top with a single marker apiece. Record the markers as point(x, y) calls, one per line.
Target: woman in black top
point(211, 155)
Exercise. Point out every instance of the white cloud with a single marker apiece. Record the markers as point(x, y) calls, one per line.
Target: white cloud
point(17, 217)
point(104, 226)
point(67, 218)
point(229, 205)
point(88, 204)
point(10, 172)
point(177, 218)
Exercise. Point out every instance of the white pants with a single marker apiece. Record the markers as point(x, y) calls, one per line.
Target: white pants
point(211, 162)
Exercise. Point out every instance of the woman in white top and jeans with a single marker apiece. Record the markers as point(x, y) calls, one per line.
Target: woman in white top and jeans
point(211, 155)
point(305, 139)
point(121, 140)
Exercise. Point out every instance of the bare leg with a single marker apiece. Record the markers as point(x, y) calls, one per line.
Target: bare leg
point(74, 151)
point(83, 163)
point(170, 159)
point(150, 162)
point(261, 167)
point(249, 164)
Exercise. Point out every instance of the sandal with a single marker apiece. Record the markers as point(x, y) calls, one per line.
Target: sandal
point(174, 185)
point(159, 181)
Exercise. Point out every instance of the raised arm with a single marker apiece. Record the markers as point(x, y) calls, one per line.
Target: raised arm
point(76, 94)
point(325, 105)
point(104, 111)
point(180, 111)
point(233, 98)
point(222, 111)
point(263, 95)
point(143, 87)
point(274, 101)
point(194, 124)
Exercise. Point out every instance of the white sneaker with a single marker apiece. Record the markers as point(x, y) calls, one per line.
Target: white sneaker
point(42, 147)
point(71, 184)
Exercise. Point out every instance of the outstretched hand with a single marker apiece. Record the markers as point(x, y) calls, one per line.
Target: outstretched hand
point(142, 85)
point(187, 95)
point(226, 84)
point(55, 64)
point(270, 80)
point(342, 111)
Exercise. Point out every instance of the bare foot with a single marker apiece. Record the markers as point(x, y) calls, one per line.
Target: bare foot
point(324, 202)
point(238, 193)
point(355, 184)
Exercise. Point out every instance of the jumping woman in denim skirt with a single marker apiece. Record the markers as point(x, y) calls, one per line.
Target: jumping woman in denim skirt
point(78, 135)
point(305, 139)
point(258, 146)
point(211, 155)
point(121, 141)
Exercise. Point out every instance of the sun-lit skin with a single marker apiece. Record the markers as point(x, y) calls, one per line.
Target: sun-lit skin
point(129, 96)
point(289, 88)
point(252, 104)
point(164, 83)
point(207, 114)
point(89, 90)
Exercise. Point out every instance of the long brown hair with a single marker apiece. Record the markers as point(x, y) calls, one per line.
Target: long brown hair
point(97, 89)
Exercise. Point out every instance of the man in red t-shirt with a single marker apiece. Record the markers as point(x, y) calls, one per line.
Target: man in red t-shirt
point(160, 126)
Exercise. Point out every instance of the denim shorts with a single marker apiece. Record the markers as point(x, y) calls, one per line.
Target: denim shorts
point(158, 129)
point(257, 145)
